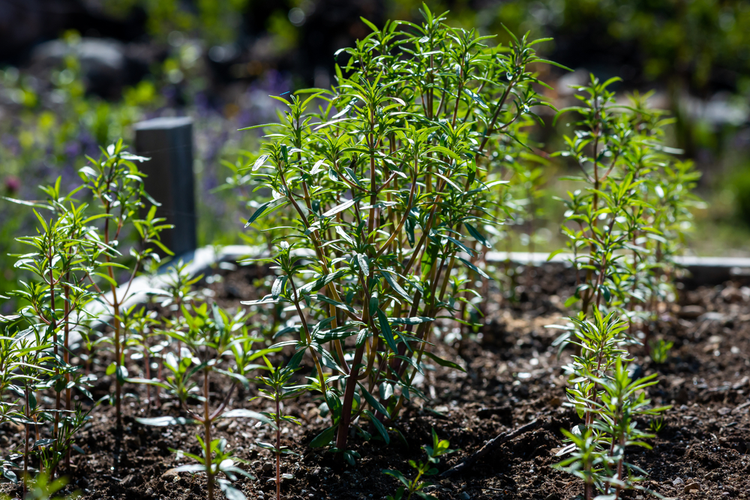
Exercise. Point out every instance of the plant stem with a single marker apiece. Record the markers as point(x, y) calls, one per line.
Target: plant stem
point(346, 406)
point(53, 329)
point(66, 358)
point(116, 321)
point(26, 442)
point(207, 436)
point(278, 450)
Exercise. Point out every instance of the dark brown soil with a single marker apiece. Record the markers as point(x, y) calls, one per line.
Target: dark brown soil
point(512, 376)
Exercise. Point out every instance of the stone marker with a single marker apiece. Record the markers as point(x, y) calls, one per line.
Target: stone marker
point(169, 144)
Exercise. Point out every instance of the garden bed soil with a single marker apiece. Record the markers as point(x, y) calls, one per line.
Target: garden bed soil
point(513, 376)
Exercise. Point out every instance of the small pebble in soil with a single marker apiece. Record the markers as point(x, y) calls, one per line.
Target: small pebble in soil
point(692, 486)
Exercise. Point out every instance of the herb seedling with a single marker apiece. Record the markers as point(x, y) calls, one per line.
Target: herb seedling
point(424, 469)
point(659, 350)
point(277, 389)
point(117, 186)
point(209, 336)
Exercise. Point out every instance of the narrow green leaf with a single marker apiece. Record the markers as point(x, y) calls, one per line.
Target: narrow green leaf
point(374, 402)
point(324, 438)
point(385, 329)
point(443, 362)
point(340, 208)
point(379, 427)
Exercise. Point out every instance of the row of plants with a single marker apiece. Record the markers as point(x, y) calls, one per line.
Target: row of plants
point(624, 228)
point(376, 200)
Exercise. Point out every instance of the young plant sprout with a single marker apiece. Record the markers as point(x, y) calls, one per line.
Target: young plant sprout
point(54, 298)
point(210, 336)
point(659, 350)
point(277, 389)
point(117, 185)
point(412, 487)
point(623, 399)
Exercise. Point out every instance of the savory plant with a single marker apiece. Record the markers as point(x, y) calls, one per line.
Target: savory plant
point(53, 300)
point(627, 224)
point(597, 448)
point(602, 218)
point(659, 350)
point(277, 389)
point(387, 181)
point(614, 231)
point(44, 488)
point(67, 256)
point(411, 487)
point(210, 336)
point(116, 185)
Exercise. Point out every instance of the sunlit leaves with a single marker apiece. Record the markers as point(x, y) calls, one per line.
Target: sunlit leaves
point(390, 181)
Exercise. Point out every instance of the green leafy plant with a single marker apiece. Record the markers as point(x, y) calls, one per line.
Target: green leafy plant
point(68, 259)
point(597, 449)
point(615, 231)
point(210, 336)
point(603, 218)
point(628, 223)
point(656, 424)
point(44, 488)
point(659, 351)
point(116, 185)
point(414, 486)
point(387, 184)
point(54, 299)
point(602, 342)
point(277, 389)
point(586, 460)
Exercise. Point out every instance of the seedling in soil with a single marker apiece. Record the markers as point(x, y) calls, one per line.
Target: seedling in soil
point(622, 401)
point(608, 400)
point(412, 487)
point(209, 337)
point(117, 185)
point(656, 424)
point(616, 229)
point(178, 286)
point(68, 260)
point(586, 460)
point(44, 488)
point(277, 389)
point(53, 300)
point(659, 351)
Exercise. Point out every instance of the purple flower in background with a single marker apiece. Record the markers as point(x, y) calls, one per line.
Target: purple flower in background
point(12, 144)
point(88, 144)
point(72, 149)
point(12, 184)
point(202, 104)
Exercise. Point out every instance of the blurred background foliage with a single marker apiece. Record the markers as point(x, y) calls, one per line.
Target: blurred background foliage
point(76, 74)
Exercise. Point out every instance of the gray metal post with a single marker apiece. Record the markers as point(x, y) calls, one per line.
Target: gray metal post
point(169, 144)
